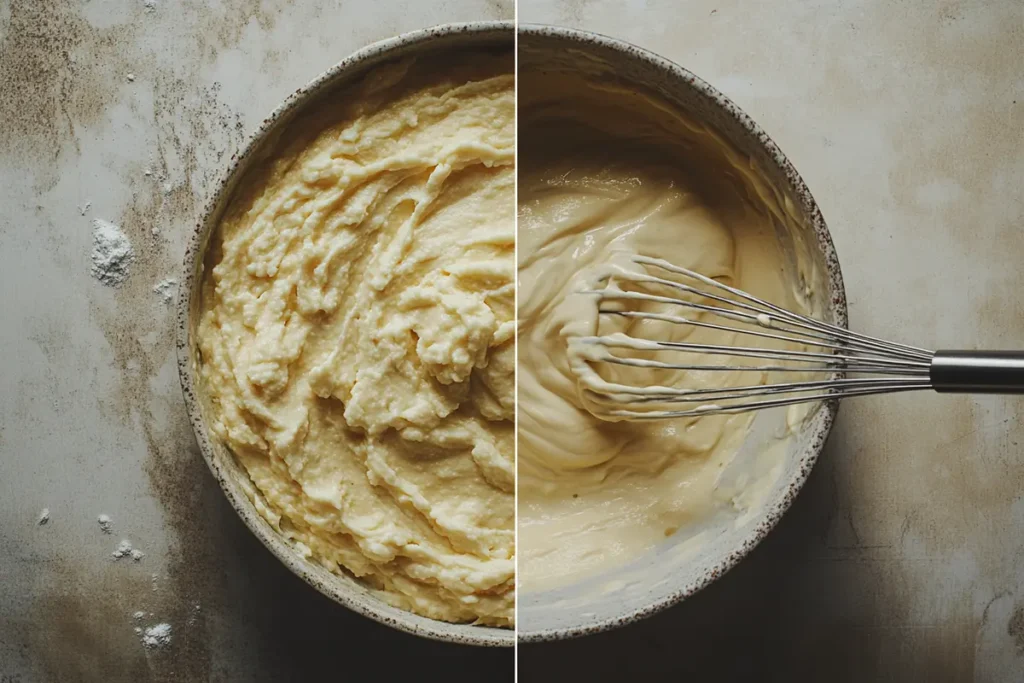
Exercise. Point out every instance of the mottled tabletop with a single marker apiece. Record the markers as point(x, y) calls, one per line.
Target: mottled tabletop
point(126, 111)
point(903, 557)
point(902, 560)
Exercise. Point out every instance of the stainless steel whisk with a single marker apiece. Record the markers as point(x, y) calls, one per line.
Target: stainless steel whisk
point(874, 366)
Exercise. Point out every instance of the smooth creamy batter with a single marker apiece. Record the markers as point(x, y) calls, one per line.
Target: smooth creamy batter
point(358, 339)
point(607, 173)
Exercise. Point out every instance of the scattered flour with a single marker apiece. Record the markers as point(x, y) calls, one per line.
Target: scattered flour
point(138, 615)
point(150, 5)
point(166, 289)
point(131, 78)
point(158, 635)
point(106, 523)
point(83, 209)
point(125, 549)
point(44, 516)
point(112, 253)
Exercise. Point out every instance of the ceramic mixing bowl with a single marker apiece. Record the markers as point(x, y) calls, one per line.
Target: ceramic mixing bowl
point(690, 559)
point(450, 38)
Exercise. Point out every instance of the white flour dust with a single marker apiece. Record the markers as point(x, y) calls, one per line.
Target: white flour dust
point(125, 549)
point(112, 253)
point(44, 516)
point(166, 289)
point(106, 523)
point(158, 635)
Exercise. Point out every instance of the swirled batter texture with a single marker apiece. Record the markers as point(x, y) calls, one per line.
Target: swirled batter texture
point(357, 336)
point(606, 174)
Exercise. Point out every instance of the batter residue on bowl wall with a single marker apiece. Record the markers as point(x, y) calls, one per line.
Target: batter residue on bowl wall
point(606, 171)
point(357, 336)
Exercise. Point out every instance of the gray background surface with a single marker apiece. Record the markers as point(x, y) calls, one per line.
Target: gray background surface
point(903, 558)
point(91, 415)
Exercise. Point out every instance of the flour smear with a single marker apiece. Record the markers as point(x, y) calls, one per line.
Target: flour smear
point(112, 253)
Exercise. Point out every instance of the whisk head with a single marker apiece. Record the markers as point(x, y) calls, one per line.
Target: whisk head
point(655, 364)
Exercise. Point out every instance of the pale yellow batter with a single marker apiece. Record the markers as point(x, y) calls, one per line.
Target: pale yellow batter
point(358, 339)
point(606, 172)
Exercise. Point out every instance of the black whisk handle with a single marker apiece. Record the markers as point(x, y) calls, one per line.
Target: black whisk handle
point(978, 372)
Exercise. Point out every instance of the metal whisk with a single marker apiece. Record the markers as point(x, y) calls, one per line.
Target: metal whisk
point(838, 363)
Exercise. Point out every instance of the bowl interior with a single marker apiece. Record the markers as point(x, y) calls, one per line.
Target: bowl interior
point(298, 110)
point(698, 554)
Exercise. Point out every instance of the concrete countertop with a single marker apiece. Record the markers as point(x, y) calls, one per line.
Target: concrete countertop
point(125, 111)
point(903, 558)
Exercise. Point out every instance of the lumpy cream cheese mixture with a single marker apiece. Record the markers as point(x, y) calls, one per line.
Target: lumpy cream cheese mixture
point(357, 335)
point(606, 173)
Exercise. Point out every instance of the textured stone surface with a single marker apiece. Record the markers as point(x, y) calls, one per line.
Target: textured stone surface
point(903, 558)
point(127, 111)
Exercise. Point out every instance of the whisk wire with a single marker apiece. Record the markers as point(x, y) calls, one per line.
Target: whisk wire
point(798, 336)
point(840, 332)
point(706, 409)
point(718, 349)
point(667, 394)
point(814, 347)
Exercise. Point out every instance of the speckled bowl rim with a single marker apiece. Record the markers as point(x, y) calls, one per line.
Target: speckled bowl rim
point(339, 590)
point(837, 302)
